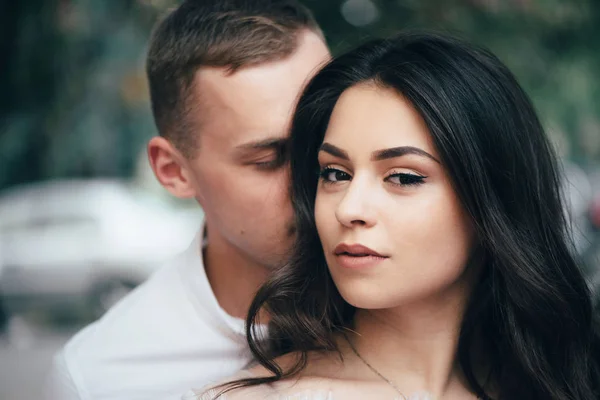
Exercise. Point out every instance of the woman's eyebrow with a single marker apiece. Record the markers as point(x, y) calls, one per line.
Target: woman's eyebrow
point(379, 155)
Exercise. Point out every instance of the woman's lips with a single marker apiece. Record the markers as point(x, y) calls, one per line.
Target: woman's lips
point(357, 256)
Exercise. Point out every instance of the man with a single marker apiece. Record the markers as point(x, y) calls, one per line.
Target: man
point(224, 79)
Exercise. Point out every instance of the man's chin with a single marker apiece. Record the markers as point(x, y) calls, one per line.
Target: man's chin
point(279, 260)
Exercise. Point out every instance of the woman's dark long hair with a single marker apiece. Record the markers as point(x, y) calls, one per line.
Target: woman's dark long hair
point(530, 314)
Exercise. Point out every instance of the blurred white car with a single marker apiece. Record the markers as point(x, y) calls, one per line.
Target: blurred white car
point(85, 242)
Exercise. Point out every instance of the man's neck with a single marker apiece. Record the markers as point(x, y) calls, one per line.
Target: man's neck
point(234, 278)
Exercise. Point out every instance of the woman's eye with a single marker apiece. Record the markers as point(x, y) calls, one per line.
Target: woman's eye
point(330, 175)
point(405, 179)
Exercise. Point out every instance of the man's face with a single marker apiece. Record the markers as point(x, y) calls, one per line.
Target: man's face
point(240, 171)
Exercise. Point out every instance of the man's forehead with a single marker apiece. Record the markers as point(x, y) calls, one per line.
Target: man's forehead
point(244, 117)
point(255, 103)
point(248, 87)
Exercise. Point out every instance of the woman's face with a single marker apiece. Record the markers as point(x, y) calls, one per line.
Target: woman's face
point(392, 228)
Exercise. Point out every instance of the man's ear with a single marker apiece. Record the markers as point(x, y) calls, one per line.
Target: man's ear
point(170, 168)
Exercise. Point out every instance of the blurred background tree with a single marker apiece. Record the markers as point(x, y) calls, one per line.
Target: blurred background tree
point(74, 101)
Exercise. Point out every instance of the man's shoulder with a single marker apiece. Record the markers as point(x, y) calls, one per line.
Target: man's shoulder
point(158, 308)
point(139, 314)
point(156, 336)
point(95, 353)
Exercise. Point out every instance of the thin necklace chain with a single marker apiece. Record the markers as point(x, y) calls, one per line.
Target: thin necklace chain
point(392, 384)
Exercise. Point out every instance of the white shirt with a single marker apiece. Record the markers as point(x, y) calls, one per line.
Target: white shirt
point(168, 335)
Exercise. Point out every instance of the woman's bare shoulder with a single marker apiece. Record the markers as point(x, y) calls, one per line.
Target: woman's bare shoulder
point(251, 393)
point(322, 376)
point(222, 390)
point(318, 364)
point(317, 381)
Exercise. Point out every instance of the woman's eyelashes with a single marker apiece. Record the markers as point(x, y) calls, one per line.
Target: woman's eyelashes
point(332, 175)
point(405, 179)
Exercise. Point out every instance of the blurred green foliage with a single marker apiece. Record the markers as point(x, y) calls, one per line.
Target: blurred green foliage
point(74, 102)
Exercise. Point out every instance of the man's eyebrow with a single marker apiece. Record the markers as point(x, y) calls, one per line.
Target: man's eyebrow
point(394, 152)
point(264, 144)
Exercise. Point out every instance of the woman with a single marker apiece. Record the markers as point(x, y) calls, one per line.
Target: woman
point(432, 259)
